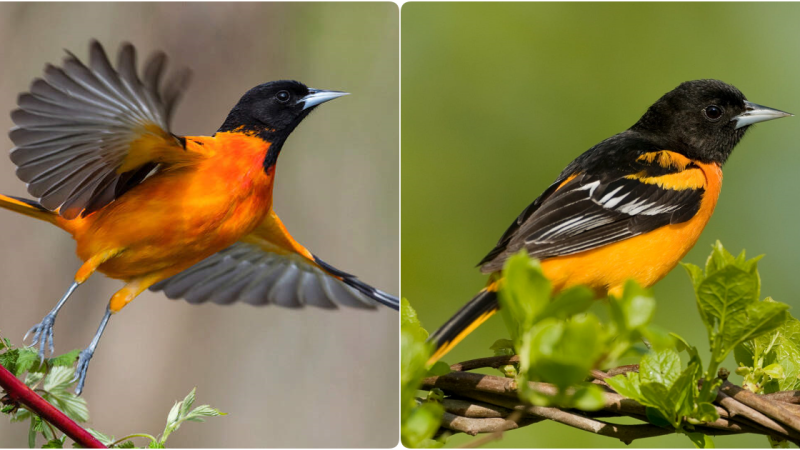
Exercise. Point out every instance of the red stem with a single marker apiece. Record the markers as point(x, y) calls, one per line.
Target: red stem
point(36, 404)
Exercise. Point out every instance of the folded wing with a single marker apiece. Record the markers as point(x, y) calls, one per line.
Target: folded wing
point(585, 211)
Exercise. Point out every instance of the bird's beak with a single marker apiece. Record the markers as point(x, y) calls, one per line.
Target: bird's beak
point(317, 96)
point(756, 113)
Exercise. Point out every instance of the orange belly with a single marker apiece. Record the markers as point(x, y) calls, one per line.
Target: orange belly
point(177, 218)
point(646, 258)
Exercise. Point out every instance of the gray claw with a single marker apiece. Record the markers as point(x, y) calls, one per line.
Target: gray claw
point(82, 368)
point(43, 336)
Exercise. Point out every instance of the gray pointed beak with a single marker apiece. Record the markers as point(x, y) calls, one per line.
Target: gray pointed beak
point(317, 96)
point(755, 113)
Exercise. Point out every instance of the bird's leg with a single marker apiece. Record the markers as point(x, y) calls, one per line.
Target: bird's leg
point(118, 301)
point(87, 353)
point(43, 331)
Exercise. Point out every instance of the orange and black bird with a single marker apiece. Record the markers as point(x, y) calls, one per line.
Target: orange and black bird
point(188, 215)
point(630, 207)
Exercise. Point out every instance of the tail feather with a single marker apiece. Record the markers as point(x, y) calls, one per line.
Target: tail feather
point(474, 313)
point(28, 207)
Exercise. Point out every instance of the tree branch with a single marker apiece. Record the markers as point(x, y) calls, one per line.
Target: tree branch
point(479, 403)
point(19, 393)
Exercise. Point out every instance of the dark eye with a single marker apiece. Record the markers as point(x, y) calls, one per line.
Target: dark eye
point(713, 112)
point(283, 96)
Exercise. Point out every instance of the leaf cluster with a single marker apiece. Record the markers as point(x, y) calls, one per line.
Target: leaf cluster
point(419, 419)
point(53, 379)
point(559, 341)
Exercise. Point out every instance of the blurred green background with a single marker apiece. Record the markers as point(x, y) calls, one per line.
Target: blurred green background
point(305, 378)
point(498, 98)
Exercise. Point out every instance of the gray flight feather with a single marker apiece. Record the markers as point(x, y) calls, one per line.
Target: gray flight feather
point(75, 126)
point(246, 273)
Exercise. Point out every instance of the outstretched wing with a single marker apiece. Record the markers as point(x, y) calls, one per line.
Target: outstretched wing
point(85, 135)
point(269, 267)
point(584, 211)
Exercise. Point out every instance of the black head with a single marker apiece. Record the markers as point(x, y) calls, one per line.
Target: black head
point(703, 119)
point(273, 110)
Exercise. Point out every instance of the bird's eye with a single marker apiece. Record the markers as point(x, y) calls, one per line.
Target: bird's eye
point(283, 96)
point(713, 112)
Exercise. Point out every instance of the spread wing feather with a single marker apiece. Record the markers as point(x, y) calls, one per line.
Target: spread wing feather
point(247, 273)
point(74, 128)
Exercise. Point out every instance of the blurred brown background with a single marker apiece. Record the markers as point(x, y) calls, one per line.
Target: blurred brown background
point(306, 378)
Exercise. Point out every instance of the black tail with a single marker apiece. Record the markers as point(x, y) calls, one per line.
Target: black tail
point(351, 280)
point(474, 313)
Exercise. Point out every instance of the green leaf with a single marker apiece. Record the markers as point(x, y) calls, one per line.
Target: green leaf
point(8, 360)
point(724, 294)
point(638, 305)
point(197, 414)
point(718, 258)
point(187, 403)
point(562, 353)
point(681, 393)
point(588, 397)
point(626, 384)
point(126, 444)
point(656, 395)
point(662, 367)
point(524, 295)
point(67, 359)
point(70, 404)
point(695, 274)
point(28, 360)
point(410, 322)
point(701, 440)
point(781, 346)
point(55, 443)
point(655, 417)
point(568, 303)
point(155, 444)
point(774, 371)
point(174, 414)
point(438, 369)
point(59, 379)
point(777, 443)
point(32, 431)
point(422, 424)
point(706, 412)
point(103, 438)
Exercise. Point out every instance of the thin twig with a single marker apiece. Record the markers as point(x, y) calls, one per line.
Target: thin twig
point(492, 361)
point(472, 426)
point(737, 408)
point(769, 408)
point(792, 397)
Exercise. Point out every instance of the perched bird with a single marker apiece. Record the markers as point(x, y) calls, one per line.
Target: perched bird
point(630, 207)
point(188, 215)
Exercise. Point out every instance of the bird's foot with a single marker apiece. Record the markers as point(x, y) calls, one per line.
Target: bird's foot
point(43, 334)
point(82, 367)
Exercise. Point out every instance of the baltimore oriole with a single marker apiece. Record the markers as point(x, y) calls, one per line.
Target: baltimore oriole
point(189, 215)
point(630, 207)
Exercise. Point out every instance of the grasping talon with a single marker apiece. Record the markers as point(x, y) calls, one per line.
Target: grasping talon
point(43, 335)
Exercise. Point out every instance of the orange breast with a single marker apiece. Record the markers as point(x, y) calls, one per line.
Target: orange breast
point(182, 215)
point(646, 258)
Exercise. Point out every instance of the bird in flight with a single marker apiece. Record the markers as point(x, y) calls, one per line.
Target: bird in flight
point(190, 216)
